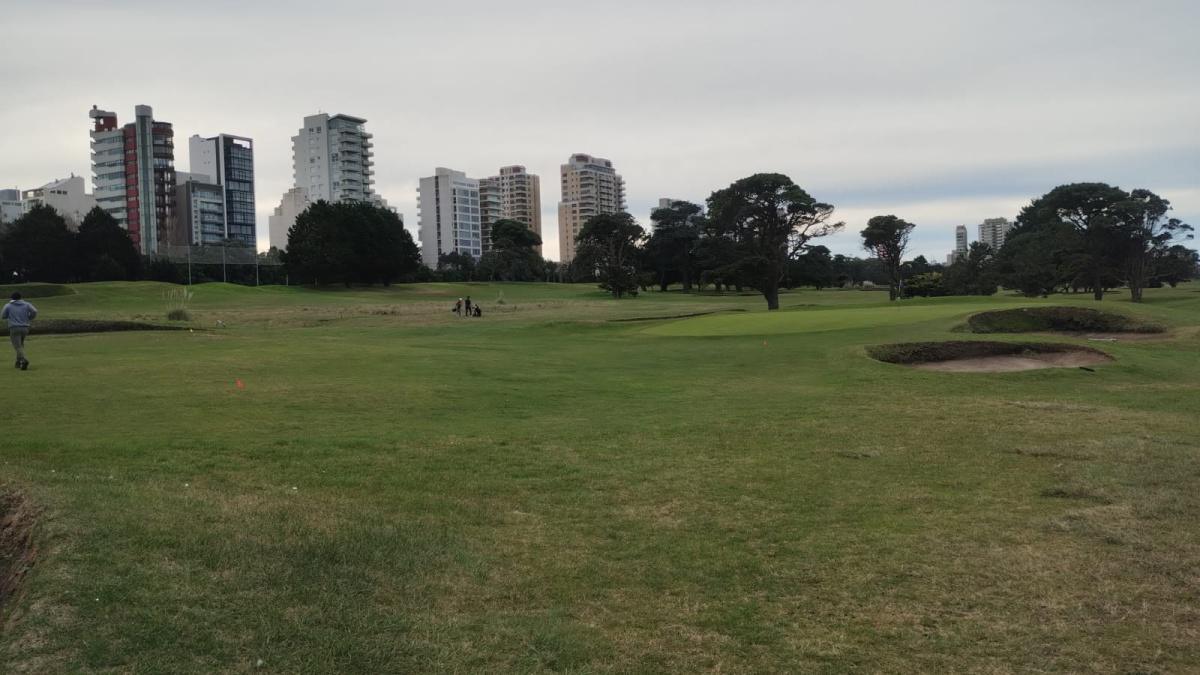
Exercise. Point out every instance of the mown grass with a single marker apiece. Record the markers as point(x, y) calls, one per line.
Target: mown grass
point(393, 489)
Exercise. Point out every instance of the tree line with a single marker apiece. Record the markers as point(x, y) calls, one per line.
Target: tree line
point(39, 246)
point(759, 233)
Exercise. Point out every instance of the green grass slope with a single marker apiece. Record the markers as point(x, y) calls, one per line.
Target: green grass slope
point(392, 489)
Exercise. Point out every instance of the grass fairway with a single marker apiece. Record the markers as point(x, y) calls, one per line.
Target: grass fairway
point(547, 489)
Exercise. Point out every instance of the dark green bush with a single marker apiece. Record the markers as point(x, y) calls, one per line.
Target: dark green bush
point(1064, 319)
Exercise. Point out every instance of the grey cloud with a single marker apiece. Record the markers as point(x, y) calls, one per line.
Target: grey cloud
point(945, 108)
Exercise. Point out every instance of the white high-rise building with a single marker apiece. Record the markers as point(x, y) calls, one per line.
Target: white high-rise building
point(331, 161)
point(961, 245)
point(993, 231)
point(449, 215)
point(10, 206)
point(67, 196)
point(108, 164)
point(590, 187)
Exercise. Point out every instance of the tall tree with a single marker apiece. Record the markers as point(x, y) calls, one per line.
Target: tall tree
point(672, 245)
point(813, 268)
point(38, 246)
point(769, 219)
point(350, 242)
point(1176, 264)
point(513, 255)
point(1147, 233)
point(608, 243)
point(1035, 259)
point(316, 250)
point(104, 251)
point(972, 274)
point(1096, 212)
point(887, 238)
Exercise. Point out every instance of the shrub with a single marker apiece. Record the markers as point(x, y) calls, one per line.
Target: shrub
point(179, 314)
point(1064, 319)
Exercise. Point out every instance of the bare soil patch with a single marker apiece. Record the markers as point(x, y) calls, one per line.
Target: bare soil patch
point(17, 550)
point(73, 326)
point(978, 356)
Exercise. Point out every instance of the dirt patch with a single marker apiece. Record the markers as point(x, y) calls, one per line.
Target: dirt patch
point(1072, 320)
point(72, 326)
point(17, 550)
point(978, 356)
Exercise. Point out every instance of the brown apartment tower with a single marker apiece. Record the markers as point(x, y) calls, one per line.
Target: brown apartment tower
point(590, 187)
point(516, 195)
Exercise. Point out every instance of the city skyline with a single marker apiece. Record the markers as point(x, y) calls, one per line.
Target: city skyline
point(941, 132)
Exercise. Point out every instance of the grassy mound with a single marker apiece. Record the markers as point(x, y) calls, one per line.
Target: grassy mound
point(16, 544)
point(1058, 319)
point(931, 352)
point(69, 326)
point(30, 291)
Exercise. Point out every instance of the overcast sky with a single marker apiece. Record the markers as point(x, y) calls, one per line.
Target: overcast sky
point(943, 113)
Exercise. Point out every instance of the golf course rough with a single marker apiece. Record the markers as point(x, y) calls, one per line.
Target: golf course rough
point(392, 488)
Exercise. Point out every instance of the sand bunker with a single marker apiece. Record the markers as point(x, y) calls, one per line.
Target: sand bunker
point(980, 356)
point(1014, 363)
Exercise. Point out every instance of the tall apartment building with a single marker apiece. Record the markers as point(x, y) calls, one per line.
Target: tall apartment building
point(133, 174)
point(514, 194)
point(200, 210)
point(590, 187)
point(228, 162)
point(10, 206)
point(993, 231)
point(331, 161)
point(450, 218)
point(961, 245)
point(67, 196)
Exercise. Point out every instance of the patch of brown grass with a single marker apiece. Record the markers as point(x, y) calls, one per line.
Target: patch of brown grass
point(17, 549)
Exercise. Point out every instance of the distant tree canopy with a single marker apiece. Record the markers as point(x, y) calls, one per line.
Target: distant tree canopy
point(349, 242)
point(671, 248)
point(972, 274)
point(1092, 236)
point(513, 255)
point(608, 245)
point(39, 247)
point(104, 251)
point(765, 220)
point(887, 238)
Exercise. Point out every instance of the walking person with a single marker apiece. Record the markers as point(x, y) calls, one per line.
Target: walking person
point(20, 315)
point(468, 305)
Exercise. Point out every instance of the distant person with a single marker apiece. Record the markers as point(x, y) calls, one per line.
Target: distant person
point(478, 311)
point(468, 305)
point(458, 307)
point(19, 315)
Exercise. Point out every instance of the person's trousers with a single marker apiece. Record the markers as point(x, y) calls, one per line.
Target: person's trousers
point(17, 336)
